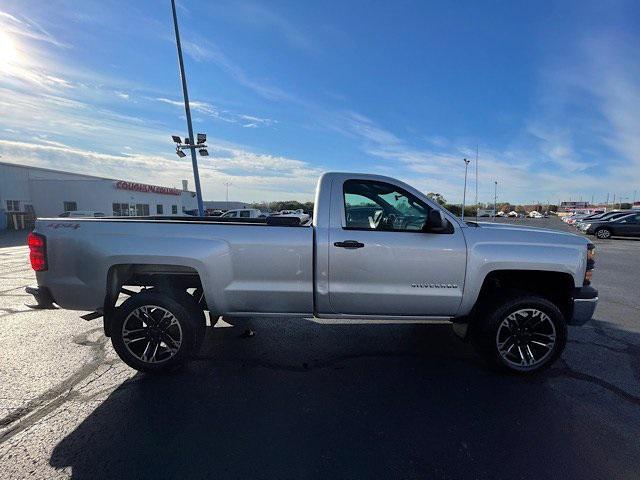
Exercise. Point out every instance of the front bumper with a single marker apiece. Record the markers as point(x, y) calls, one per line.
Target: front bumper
point(585, 300)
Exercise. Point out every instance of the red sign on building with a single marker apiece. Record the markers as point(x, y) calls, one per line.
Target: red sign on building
point(142, 187)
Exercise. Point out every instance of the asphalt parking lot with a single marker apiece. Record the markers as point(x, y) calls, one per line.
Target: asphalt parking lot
point(302, 400)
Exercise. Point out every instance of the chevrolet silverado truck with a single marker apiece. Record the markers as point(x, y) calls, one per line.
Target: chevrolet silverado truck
point(376, 249)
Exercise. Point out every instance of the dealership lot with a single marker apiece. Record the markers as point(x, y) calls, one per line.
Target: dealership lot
point(302, 400)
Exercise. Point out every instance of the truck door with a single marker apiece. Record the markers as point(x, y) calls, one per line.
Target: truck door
point(381, 259)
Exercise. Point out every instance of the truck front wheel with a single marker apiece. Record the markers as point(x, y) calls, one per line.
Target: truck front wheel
point(155, 332)
point(523, 335)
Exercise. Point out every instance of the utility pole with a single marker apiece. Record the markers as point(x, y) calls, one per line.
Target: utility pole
point(495, 199)
point(194, 158)
point(464, 194)
point(226, 184)
point(477, 205)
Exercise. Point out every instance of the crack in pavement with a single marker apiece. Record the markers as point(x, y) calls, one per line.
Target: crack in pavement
point(567, 372)
point(53, 398)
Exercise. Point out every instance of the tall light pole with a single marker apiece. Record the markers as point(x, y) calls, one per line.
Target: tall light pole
point(194, 158)
point(477, 204)
point(495, 199)
point(226, 184)
point(464, 194)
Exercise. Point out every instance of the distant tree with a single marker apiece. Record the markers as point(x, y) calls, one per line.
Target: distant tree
point(276, 206)
point(625, 206)
point(455, 209)
point(436, 197)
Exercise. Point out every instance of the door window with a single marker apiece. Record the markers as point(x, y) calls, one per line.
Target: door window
point(371, 205)
point(245, 214)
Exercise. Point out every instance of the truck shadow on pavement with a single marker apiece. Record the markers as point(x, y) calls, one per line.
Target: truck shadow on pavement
point(301, 400)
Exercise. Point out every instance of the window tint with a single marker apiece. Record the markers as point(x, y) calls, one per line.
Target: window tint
point(381, 206)
point(245, 214)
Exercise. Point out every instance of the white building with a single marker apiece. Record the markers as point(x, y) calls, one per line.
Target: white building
point(48, 193)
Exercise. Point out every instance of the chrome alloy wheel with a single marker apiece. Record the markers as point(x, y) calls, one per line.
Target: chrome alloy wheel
point(152, 334)
point(526, 338)
point(604, 233)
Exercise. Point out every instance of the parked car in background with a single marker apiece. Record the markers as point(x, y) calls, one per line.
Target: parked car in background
point(534, 214)
point(211, 212)
point(604, 218)
point(625, 226)
point(572, 220)
point(512, 214)
point(82, 213)
point(244, 213)
point(299, 213)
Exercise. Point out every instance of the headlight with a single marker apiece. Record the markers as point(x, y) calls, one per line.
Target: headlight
point(587, 226)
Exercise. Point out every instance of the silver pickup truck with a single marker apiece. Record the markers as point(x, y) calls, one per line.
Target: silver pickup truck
point(376, 249)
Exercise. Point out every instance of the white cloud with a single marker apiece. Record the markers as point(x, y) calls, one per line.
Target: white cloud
point(220, 114)
point(202, 50)
point(28, 28)
point(257, 176)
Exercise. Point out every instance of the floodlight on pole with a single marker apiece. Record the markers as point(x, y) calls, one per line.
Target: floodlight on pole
point(202, 137)
point(180, 153)
point(185, 93)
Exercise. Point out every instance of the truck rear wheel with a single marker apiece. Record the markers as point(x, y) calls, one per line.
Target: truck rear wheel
point(523, 335)
point(155, 331)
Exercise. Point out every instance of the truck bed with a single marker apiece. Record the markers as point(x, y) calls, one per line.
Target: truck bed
point(244, 266)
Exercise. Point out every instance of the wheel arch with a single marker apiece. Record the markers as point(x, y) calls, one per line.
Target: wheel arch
point(166, 277)
point(557, 287)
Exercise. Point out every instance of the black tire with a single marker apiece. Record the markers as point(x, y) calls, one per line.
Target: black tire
point(493, 326)
point(166, 327)
point(602, 233)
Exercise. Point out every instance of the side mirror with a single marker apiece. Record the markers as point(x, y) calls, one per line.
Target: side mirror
point(437, 222)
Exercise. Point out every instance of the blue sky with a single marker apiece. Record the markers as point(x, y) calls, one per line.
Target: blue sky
point(549, 91)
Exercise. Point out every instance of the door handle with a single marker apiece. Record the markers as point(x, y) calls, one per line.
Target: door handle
point(349, 244)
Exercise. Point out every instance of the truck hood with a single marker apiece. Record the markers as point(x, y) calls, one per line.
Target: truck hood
point(531, 232)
